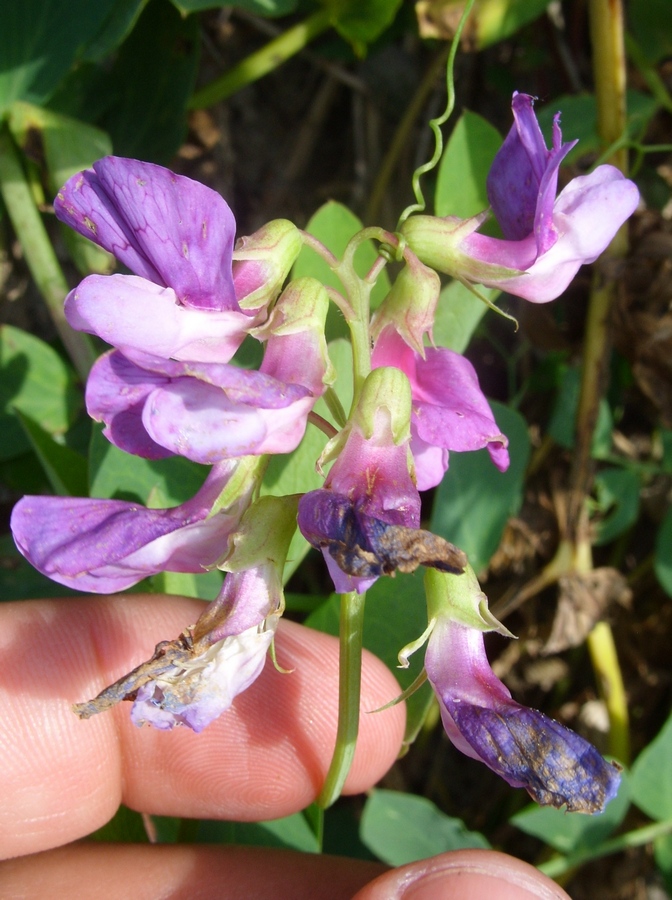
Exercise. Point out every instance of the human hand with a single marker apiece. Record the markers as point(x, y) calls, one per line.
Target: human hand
point(264, 758)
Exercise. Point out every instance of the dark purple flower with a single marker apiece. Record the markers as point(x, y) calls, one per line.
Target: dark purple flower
point(555, 765)
point(546, 238)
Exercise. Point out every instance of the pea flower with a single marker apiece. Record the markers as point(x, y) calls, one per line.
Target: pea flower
point(193, 679)
point(209, 411)
point(108, 545)
point(528, 749)
point(449, 411)
point(546, 238)
point(366, 517)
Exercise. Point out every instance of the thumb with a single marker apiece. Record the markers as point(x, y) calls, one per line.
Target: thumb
point(464, 875)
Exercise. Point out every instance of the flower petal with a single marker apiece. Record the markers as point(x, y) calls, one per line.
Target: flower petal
point(143, 320)
point(163, 227)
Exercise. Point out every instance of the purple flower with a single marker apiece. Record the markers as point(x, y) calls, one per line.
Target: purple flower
point(449, 409)
point(109, 545)
point(366, 518)
point(193, 679)
point(213, 411)
point(546, 238)
point(554, 764)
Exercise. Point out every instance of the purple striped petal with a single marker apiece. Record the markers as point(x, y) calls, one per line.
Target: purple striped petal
point(163, 227)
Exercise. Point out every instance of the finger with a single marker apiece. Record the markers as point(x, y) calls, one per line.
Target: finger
point(92, 871)
point(264, 758)
point(464, 875)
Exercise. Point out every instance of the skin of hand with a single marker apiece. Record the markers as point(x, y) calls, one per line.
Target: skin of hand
point(264, 758)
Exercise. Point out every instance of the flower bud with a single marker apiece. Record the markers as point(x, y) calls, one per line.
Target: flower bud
point(262, 262)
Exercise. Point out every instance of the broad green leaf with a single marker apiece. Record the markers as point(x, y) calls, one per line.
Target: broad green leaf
point(458, 315)
point(114, 473)
point(579, 120)
point(464, 166)
point(188, 584)
point(35, 380)
point(65, 469)
point(663, 555)
point(396, 614)
point(333, 224)
point(268, 8)
point(475, 500)
point(115, 29)
point(495, 20)
point(69, 146)
point(562, 424)
point(618, 500)
point(151, 83)
point(125, 826)
point(402, 828)
point(292, 832)
point(650, 23)
point(651, 776)
point(572, 832)
point(39, 42)
point(362, 21)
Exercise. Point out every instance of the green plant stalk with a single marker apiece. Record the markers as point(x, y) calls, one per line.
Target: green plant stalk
point(349, 691)
point(258, 64)
point(606, 27)
point(562, 865)
point(653, 80)
point(39, 253)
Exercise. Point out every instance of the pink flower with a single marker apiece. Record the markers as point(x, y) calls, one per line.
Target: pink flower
point(546, 238)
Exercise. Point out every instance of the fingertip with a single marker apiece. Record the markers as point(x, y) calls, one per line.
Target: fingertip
point(464, 875)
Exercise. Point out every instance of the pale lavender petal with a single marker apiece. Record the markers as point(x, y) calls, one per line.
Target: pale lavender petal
point(431, 463)
point(163, 227)
point(116, 393)
point(143, 319)
point(108, 545)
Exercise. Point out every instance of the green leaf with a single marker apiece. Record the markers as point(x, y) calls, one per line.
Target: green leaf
point(396, 614)
point(65, 469)
point(464, 167)
point(69, 146)
point(662, 853)
point(579, 120)
point(114, 473)
point(291, 832)
point(618, 499)
point(114, 30)
point(495, 20)
point(402, 828)
point(151, 83)
point(39, 42)
point(268, 8)
point(125, 826)
point(187, 584)
point(650, 23)
point(458, 315)
point(475, 500)
point(562, 424)
point(651, 776)
point(35, 380)
point(663, 554)
point(362, 21)
point(333, 224)
point(572, 832)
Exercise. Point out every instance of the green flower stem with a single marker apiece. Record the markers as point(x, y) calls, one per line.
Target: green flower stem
point(258, 64)
point(349, 688)
point(562, 865)
point(39, 253)
point(604, 658)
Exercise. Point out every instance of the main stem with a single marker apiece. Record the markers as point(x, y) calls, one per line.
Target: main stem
point(349, 691)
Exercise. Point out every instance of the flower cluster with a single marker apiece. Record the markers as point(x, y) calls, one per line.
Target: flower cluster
point(170, 384)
